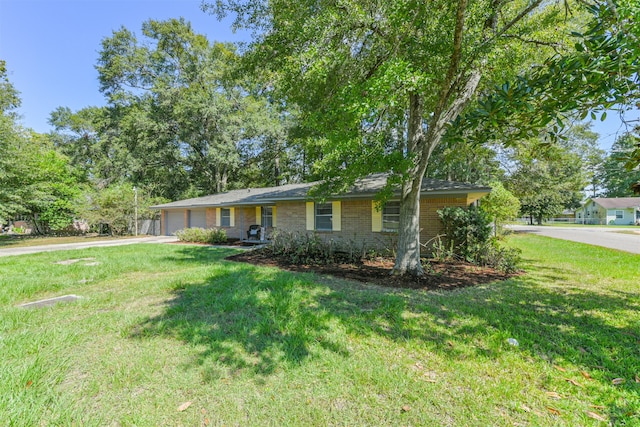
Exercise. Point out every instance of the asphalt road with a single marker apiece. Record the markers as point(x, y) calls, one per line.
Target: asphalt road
point(623, 239)
point(66, 246)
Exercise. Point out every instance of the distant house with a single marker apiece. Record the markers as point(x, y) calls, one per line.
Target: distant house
point(604, 211)
point(354, 215)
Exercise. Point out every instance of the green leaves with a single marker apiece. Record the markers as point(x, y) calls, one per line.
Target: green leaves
point(617, 179)
point(37, 182)
point(600, 74)
point(183, 119)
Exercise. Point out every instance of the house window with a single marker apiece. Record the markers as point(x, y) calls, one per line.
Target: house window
point(225, 217)
point(391, 216)
point(619, 214)
point(324, 216)
point(267, 216)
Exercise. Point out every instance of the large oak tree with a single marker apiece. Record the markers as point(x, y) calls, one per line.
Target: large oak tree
point(381, 82)
point(180, 109)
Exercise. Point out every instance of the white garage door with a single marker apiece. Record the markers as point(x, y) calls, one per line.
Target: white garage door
point(175, 222)
point(198, 218)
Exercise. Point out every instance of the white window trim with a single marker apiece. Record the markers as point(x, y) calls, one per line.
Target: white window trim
point(266, 213)
point(390, 230)
point(316, 215)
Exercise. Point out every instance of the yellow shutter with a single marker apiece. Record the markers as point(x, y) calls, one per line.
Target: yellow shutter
point(232, 215)
point(273, 216)
point(310, 216)
point(336, 224)
point(218, 217)
point(376, 217)
point(258, 215)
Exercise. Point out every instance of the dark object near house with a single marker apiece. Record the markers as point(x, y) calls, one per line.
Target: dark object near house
point(254, 232)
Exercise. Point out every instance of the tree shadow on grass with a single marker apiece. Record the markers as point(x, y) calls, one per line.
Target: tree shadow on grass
point(252, 319)
point(242, 317)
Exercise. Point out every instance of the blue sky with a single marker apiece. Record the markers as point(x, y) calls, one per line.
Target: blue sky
point(51, 48)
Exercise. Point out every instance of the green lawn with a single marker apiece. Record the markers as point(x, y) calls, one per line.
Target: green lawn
point(159, 326)
point(16, 241)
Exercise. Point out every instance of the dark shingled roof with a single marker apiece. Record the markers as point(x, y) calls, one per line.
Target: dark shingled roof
point(366, 187)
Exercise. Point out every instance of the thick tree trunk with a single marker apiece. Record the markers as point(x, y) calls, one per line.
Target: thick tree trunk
point(455, 93)
point(420, 146)
point(37, 228)
point(408, 255)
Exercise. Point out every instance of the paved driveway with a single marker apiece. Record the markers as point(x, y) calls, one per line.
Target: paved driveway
point(624, 239)
point(66, 246)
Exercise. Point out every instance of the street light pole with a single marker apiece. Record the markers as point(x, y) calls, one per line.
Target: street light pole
point(135, 202)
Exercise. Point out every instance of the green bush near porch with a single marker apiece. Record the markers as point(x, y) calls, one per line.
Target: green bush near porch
point(202, 235)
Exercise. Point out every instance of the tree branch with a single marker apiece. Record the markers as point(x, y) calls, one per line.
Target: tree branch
point(554, 45)
point(457, 44)
point(449, 82)
point(517, 19)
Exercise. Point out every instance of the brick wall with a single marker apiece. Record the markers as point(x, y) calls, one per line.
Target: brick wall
point(243, 218)
point(211, 217)
point(357, 221)
point(291, 216)
point(430, 221)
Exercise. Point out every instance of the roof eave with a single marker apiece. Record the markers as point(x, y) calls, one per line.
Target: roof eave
point(359, 196)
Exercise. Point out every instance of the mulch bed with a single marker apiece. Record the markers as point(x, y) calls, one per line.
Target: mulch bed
point(443, 275)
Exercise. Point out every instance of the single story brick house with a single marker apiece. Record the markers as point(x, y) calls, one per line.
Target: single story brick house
point(613, 210)
point(354, 215)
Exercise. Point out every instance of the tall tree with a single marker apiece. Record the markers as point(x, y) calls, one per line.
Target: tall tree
point(9, 134)
point(10, 137)
point(457, 160)
point(617, 179)
point(381, 82)
point(581, 140)
point(35, 180)
point(601, 73)
point(47, 185)
point(77, 135)
point(546, 179)
point(177, 98)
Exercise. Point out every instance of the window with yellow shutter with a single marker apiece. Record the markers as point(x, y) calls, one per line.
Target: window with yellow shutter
point(225, 217)
point(391, 216)
point(324, 216)
point(267, 216)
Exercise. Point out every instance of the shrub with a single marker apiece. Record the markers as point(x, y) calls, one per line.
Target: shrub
point(442, 252)
point(501, 205)
point(468, 237)
point(19, 230)
point(312, 249)
point(502, 258)
point(201, 235)
point(466, 230)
